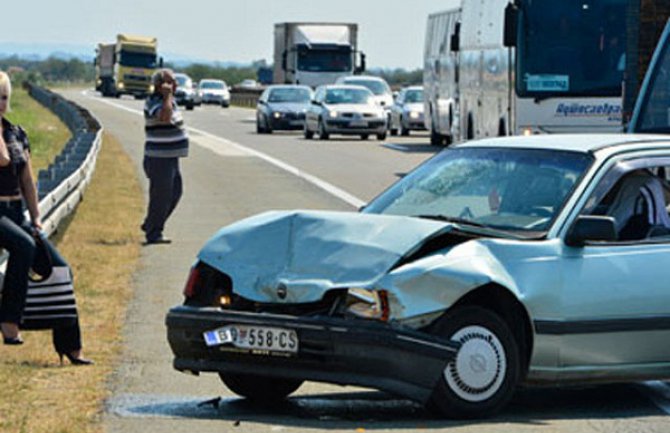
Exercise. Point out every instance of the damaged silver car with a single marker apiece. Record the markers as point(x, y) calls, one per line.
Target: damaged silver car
point(521, 260)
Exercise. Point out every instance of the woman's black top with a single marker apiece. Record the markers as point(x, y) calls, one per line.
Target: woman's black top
point(17, 145)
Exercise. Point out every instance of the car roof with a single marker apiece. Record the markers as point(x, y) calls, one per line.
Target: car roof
point(362, 77)
point(211, 80)
point(289, 86)
point(345, 86)
point(584, 143)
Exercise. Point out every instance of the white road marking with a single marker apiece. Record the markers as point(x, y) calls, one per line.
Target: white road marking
point(659, 393)
point(233, 146)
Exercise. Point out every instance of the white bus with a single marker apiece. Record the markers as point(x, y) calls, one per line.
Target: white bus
point(497, 68)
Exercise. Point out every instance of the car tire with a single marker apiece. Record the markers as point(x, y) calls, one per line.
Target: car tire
point(259, 388)
point(307, 133)
point(393, 132)
point(381, 136)
point(189, 106)
point(268, 125)
point(323, 134)
point(364, 136)
point(259, 128)
point(468, 389)
point(225, 104)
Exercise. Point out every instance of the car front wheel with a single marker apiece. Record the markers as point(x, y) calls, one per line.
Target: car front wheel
point(259, 388)
point(485, 371)
point(323, 134)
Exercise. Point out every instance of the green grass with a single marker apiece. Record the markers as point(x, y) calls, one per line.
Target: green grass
point(47, 134)
point(101, 242)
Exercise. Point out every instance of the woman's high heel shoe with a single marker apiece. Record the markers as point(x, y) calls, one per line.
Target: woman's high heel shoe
point(12, 341)
point(74, 360)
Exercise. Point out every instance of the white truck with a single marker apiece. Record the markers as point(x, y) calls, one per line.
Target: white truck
point(316, 53)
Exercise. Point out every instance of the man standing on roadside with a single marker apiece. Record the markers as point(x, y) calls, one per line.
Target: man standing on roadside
point(166, 142)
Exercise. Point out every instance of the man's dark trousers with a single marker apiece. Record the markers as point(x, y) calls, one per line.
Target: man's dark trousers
point(165, 189)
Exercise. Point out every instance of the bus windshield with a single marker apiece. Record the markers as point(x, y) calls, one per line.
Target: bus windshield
point(571, 48)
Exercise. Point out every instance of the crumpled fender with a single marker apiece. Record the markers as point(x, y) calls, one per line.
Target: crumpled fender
point(432, 284)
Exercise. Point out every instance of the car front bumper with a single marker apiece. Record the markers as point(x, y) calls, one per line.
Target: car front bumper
point(288, 121)
point(348, 352)
point(346, 127)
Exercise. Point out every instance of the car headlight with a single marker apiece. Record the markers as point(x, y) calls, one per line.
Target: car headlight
point(277, 114)
point(333, 113)
point(368, 304)
point(120, 85)
point(414, 115)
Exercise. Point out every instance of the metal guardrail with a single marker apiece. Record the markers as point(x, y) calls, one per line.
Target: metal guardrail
point(245, 97)
point(61, 186)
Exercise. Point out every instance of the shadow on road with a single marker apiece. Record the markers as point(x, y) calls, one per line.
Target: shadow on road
point(376, 411)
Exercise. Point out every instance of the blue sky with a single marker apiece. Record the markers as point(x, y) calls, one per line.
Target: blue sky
point(391, 32)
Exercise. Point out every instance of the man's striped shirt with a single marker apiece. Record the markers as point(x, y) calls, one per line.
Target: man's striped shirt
point(164, 140)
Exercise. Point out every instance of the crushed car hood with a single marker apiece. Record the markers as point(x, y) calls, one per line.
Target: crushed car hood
point(310, 252)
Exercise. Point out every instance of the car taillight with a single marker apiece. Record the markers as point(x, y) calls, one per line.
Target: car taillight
point(193, 282)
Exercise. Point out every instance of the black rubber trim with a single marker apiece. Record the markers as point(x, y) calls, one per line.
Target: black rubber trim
point(551, 327)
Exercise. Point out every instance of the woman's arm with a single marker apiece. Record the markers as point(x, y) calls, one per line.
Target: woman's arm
point(29, 192)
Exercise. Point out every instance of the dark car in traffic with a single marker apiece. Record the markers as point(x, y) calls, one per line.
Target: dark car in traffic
point(282, 107)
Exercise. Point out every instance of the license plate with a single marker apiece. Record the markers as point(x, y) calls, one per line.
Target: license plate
point(254, 337)
point(358, 124)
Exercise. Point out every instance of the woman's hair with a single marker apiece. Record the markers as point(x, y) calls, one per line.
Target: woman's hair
point(6, 86)
point(158, 77)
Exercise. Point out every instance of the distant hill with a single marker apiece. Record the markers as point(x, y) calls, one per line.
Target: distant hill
point(86, 53)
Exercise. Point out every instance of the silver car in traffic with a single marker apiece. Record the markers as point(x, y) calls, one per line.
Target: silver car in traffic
point(407, 111)
point(347, 110)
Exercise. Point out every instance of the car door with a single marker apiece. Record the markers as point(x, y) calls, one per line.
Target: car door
point(615, 309)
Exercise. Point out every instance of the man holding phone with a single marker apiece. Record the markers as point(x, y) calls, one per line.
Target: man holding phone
point(166, 142)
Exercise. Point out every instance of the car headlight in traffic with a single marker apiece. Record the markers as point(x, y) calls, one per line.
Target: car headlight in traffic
point(333, 113)
point(368, 304)
point(120, 86)
point(414, 114)
point(276, 115)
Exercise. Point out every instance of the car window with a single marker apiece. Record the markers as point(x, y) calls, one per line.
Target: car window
point(347, 96)
point(376, 87)
point(636, 197)
point(512, 189)
point(414, 96)
point(289, 95)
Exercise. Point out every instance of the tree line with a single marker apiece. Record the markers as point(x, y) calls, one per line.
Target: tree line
point(57, 70)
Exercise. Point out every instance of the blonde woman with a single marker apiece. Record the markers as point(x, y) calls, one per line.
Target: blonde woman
point(16, 188)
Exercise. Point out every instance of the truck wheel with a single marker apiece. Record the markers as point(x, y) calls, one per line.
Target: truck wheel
point(259, 388)
point(483, 375)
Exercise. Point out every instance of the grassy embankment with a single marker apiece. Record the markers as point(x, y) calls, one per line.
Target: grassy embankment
point(101, 243)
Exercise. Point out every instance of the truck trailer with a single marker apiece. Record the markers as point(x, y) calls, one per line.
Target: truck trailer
point(316, 53)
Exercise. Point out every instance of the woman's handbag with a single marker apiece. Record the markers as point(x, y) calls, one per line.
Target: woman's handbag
point(50, 301)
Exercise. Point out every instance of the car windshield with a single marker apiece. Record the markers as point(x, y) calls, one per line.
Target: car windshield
point(183, 81)
point(376, 87)
point(571, 48)
point(414, 96)
point(212, 85)
point(348, 96)
point(508, 189)
point(289, 95)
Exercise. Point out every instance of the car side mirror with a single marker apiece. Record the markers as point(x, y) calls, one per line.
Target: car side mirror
point(262, 102)
point(591, 228)
point(315, 102)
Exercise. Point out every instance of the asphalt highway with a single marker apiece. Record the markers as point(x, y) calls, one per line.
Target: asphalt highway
point(232, 173)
